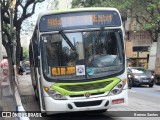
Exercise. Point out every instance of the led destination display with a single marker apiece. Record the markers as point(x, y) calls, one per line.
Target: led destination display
point(79, 20)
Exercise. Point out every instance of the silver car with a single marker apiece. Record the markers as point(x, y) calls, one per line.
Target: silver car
point(140, 76)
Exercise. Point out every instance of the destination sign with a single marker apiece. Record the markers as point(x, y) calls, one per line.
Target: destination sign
point(79, 20)
point(63, 71)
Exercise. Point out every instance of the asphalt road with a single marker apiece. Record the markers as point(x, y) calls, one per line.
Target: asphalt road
point(145, 93)
point(140, 99)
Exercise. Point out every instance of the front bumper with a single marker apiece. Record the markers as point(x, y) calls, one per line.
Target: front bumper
point(143, 82)
point(89, 104)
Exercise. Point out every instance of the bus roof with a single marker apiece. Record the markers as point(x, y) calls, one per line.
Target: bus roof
point(77, 10)
point(74, 10)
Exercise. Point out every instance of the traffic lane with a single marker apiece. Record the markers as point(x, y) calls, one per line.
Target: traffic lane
point(76, 116)
point(31, 104)
point(85, 116)
point(139, 100)
point(146, 93)
point(155, 88)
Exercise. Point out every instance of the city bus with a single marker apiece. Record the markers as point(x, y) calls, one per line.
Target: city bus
point(77, 60)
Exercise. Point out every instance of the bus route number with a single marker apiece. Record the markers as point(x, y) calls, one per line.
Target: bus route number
point(54, 22)
point(102, 18)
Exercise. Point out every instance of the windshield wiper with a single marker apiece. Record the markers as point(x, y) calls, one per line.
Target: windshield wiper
point(67, 40)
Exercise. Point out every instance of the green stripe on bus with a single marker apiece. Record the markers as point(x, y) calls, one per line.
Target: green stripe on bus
point(61, 87)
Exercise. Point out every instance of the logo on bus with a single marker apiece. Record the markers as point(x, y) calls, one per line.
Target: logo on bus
point(87, 94)
point(80, 69)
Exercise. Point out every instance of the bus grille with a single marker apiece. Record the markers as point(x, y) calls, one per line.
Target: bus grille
point(86, 87)
point(82, 95)
point(88, 103)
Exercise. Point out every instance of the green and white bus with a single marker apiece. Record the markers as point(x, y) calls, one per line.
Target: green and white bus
point(77, 60)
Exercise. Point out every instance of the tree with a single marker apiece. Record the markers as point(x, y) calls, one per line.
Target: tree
point(25, 54)
point(146, 12)
point(86, 3)
point(21, 10)
point(119, 4)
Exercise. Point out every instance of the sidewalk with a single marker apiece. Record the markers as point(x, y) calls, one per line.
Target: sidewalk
point(7, 99)
point(25, 85)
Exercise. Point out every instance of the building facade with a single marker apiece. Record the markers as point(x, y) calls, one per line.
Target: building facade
point(138, 42)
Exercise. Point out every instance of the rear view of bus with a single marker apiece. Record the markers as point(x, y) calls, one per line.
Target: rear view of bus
point(78, 60)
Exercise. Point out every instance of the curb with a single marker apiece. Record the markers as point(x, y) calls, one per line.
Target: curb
point(20, 109)
point(19, 106)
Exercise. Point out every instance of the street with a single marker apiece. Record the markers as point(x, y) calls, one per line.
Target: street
point(140, 99)
point(80, 54)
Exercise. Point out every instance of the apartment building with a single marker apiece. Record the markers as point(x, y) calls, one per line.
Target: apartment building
point(138, 42)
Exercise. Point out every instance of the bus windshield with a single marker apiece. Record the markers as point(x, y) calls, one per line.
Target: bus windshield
point(82, 54)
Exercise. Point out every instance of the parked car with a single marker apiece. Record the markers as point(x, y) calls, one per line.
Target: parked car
point(26, 67)
point(157, 79)
point(27, 70)
point(140, 76)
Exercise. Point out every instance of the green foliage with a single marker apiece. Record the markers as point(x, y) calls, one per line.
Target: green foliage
point(151, 6)
point(147, 12)
point(25, 54)
point(148, 26)
point(20, 11)
point(119, 4)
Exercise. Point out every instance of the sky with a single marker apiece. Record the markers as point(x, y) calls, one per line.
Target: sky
point(28, 25)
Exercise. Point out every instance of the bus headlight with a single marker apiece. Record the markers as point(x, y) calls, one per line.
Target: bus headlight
point(115, 91)
point(58, 96)
point(118, 88)
point(54, 94)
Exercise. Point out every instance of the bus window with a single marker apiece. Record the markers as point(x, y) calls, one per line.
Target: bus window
point(94, 49)
point(111, 44)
